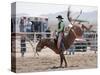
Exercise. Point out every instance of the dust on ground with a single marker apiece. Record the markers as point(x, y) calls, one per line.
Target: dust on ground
point(47, 59)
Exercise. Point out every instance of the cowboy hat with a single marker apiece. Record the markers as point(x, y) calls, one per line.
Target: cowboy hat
point(59, 16)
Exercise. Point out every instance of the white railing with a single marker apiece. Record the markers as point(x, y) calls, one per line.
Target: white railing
point(33, 36)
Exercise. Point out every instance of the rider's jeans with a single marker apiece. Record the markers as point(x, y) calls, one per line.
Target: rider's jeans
point(60, 43)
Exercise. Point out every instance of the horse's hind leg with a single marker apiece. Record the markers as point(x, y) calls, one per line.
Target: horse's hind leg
point(64, 60)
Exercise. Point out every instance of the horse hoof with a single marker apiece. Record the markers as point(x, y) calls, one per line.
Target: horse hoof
point(65, 66)
point(61, 67)
point(54, 67)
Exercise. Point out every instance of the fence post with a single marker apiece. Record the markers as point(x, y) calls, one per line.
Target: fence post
point(35, 38)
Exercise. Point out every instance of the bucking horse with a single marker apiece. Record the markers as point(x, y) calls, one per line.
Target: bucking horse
point(74, 32)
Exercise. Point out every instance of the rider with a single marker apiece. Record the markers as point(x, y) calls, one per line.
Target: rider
point(60, 32)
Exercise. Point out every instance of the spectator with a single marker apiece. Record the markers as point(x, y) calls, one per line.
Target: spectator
point(23, 46)
point(22, 41)
point(32, 26)
point(72, 51)
point(21, 25)
point(28, 25)
point(36, 25)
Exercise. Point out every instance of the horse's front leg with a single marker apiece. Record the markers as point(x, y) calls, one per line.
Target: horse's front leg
point(61, 60)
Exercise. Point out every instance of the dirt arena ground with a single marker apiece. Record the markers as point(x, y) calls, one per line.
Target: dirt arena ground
point(47, 59)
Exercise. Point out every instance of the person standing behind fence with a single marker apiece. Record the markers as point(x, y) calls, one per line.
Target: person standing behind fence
point(72, 50)
point(28, 25)
point(22, 42)
point(36, 25)
point(32, 26)
point(21, 27)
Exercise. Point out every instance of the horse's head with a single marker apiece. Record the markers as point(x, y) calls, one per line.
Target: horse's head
point(40, 45)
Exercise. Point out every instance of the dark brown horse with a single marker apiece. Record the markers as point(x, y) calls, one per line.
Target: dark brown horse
point(74, 32)
point(68, 41)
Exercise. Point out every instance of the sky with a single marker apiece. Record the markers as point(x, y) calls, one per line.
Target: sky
point(36, 9)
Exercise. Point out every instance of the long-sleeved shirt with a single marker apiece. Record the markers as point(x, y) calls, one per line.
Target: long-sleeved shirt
point(61, 27)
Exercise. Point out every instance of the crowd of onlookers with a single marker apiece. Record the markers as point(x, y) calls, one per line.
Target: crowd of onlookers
point(28, 24)
point(36, 25)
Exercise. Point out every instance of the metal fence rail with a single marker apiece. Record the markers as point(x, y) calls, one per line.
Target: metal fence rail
point(90, 39)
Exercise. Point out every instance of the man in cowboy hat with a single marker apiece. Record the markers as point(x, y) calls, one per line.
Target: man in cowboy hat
point(60, 32)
